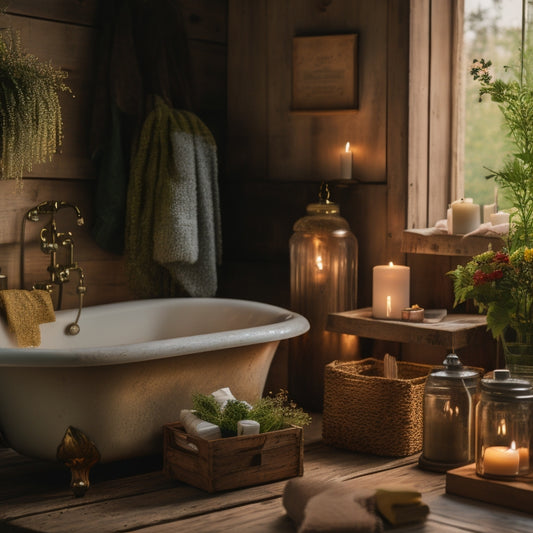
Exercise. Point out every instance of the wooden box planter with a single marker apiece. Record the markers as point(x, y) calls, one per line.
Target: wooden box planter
point(232, 462)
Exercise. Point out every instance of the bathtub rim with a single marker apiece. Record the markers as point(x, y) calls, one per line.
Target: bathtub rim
point(288, 324)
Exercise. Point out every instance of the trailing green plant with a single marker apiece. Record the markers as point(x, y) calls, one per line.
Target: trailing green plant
point(272, 412)
point(31, 127)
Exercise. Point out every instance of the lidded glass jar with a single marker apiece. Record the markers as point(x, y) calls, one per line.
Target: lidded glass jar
point(450, 398)
point(504, 424)
point(323, 280)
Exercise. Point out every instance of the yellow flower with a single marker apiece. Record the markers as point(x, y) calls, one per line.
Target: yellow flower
point(528, 255)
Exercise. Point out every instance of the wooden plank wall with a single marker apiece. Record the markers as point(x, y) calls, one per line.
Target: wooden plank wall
point(277, 159)
point(66, 32)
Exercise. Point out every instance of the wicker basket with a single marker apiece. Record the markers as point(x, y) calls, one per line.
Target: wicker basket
point(366, 412)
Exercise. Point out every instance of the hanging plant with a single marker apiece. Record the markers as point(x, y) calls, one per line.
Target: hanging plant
point(30, 113)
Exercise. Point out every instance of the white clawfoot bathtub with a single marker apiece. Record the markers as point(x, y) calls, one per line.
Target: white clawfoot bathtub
point(132, 368)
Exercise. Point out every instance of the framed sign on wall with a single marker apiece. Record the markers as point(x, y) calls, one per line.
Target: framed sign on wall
point(324, 73)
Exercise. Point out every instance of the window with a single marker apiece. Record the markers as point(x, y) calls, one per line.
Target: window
point(492, 30)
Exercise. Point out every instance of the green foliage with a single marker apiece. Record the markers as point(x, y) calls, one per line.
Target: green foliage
point(30, 112)
point(501, 285)
point(276, 412)
point(515, 177)
point(272, 413)
point(207, 408)
point(233, 412)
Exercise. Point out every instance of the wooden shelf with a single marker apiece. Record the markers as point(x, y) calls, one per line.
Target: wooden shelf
point(423, 241)
point(453, 332)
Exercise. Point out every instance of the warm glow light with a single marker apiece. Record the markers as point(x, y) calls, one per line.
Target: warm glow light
point(347, 147)
point(502, 427)
point(391, 263)
point(389, 306)
point(319, 263)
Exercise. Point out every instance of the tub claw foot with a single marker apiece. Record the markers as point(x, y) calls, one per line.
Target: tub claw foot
point(79, 454)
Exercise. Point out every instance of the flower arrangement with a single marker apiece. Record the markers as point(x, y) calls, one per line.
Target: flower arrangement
point(30, 112)
point(502, 285)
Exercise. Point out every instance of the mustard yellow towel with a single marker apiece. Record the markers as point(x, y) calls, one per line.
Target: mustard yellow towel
point(24, 311)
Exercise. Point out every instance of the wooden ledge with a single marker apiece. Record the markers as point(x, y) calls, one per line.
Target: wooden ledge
point(453, 332)
point(424, 241)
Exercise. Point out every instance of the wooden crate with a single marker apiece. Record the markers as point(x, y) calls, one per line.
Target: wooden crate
point(232, 462)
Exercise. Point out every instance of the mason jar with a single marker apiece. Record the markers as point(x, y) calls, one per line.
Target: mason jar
point(323, 280)
point(450, 398)
point(504, 425)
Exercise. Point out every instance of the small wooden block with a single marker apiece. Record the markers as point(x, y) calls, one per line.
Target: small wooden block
point(516, 495)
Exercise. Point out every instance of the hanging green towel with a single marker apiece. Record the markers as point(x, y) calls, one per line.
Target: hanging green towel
point(173, 236)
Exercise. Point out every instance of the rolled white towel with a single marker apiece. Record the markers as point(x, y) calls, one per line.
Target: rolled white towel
point(222, 396)
point(247, 427)
point(198, 427)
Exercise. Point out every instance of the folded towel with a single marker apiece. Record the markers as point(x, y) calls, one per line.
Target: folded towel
point(24, 311)
point(173, 235)
point(318, 506)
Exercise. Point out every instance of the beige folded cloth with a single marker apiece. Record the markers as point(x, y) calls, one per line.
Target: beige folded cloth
point(24, 311)
point(328, 507)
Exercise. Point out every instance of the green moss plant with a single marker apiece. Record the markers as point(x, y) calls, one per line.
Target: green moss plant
point(30, 112)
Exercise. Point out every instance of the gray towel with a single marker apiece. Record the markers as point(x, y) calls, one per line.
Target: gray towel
point(187, 240)
point(173, 235)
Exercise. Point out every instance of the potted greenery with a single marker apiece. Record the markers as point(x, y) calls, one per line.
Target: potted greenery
point(30, 112)
point(501, 283)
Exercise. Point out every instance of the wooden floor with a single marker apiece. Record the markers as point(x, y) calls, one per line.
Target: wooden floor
point(137, 496)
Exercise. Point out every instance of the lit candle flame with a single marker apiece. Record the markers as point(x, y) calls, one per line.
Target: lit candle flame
point(319, 263)
point(513, 445)
point(348, 147)
point(389, 306)
point(391, 263)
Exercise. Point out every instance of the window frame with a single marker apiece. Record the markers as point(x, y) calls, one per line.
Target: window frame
point(436, 110)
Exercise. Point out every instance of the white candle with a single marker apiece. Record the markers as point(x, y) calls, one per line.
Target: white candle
point(465, 217)
point(501, 217)
point(488, 211)
point(346, 163)
point(390, 290)
point(501, 461)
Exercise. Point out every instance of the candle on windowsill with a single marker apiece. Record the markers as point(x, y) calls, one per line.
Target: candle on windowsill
point(390, 290)
point(501, 217)
point(465, 216)
point(346, 163)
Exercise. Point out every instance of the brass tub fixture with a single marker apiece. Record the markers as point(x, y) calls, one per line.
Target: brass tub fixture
point(51, 242)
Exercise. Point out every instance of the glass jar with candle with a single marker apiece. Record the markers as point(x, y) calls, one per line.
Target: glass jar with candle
point(504, 427)
point(450, 398)
point(323, 280)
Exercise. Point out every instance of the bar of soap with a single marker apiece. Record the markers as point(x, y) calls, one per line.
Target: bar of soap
point(400, 504)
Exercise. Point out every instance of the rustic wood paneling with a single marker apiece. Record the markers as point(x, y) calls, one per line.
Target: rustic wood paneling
point(71, 11)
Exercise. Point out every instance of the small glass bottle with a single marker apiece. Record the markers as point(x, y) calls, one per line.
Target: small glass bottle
point(323, 280)
point(504, 424)
point(450, 398)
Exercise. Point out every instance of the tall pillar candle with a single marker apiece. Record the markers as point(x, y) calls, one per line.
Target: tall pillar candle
point(390, 290)
point(465, 217)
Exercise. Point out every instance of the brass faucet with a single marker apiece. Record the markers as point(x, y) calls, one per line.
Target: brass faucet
point(51, 242)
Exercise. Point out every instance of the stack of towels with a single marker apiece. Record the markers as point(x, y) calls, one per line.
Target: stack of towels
point(318, 506)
